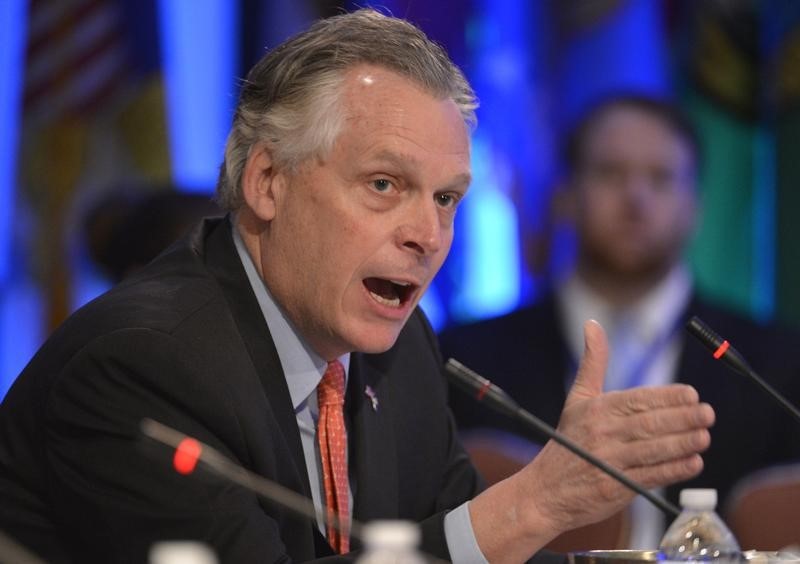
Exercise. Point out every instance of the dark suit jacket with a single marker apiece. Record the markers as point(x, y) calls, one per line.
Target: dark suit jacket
point(525, 353)
point(184, 342)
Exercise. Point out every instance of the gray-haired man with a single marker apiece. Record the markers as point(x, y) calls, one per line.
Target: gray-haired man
point(348, 156)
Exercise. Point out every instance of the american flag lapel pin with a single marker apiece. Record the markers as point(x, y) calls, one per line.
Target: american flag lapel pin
point(373, 398)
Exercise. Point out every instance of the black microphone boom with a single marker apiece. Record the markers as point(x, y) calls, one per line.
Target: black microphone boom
point(230, 470)
point(483, 390)
point(726, 353)
point(190, 451)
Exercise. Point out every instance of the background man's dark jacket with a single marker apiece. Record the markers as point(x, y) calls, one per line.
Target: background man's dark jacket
point(525, 353)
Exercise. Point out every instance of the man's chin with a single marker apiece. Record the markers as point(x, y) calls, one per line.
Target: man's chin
point(376, 341)
point(373, 347)
point(640, 270)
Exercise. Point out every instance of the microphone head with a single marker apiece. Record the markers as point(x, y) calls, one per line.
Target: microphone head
point(480, 388)
point(469, 381)
point(721, 348)
point(730, 356)
point(704, 333)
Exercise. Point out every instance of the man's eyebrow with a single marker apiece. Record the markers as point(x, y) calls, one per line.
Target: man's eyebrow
point(465, 179)
point(401, 160)
point(406, 163)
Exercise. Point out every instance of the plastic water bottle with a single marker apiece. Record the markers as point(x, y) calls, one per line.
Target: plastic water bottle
point(390, 542)
point(698, 533)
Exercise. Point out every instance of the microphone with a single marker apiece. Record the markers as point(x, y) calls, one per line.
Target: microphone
point(190, 451)
point(722, 350)
point(492, 395)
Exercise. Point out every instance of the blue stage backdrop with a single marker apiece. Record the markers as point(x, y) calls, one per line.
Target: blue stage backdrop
point(104, 96)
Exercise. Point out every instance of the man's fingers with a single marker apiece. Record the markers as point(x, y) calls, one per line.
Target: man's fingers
point(660, 450)
point(645, 399)
point(666, 421)
point(667, 473)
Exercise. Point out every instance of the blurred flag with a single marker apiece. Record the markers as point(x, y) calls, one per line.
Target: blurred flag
point(732, 254)
point(76, 58)
point(782, 30)
point(93, 119)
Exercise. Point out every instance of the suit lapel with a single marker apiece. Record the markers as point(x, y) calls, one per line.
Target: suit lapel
point(223, 262)
point(373, 456)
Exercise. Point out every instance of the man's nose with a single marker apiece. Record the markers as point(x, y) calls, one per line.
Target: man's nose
point(638, 189)
point(421, 230)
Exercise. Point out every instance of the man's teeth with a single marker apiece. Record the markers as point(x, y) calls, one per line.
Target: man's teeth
point(393, 302)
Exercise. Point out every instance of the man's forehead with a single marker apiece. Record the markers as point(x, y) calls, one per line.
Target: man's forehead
point(633, 133)
point(379, 92)
point(381, 103)
point(375, 93)
point(366, 75)
point(607, 126)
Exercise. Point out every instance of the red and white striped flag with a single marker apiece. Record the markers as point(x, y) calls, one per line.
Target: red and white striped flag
point(76, 57)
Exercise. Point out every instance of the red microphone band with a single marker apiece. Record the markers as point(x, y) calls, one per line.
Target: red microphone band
point(482, 392)
point(186, 456)
point(721, 350)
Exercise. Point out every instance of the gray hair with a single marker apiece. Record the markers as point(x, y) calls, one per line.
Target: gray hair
point(290, 98)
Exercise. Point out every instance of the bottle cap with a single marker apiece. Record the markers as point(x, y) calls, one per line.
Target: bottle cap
point(181, 552)
point(699, 498)
point(391, 534)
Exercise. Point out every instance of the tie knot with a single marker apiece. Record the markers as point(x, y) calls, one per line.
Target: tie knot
point(331, 388)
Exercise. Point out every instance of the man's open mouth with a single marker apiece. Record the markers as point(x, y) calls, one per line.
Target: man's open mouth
point(390, 293)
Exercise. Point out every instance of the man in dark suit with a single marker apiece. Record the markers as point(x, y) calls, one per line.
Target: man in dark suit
point(631, 188)
point(347, 158)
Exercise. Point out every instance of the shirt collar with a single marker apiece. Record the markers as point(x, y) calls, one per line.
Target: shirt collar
point(302, 367)
point(656, 312)
point(659, 310)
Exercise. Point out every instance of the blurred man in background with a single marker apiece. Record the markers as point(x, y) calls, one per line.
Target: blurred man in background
point(631, 190)
point(127, 229)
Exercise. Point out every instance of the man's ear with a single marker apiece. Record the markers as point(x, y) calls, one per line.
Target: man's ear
point(260, 178)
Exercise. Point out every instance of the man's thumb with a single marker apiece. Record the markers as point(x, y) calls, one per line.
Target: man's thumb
point(592, 371)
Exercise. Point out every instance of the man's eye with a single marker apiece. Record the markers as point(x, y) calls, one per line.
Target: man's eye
point(382, 184)
point(446, 200)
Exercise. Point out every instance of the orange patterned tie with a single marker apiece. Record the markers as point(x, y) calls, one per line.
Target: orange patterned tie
point(332, 437)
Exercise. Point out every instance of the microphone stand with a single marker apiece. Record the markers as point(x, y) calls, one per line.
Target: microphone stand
point(190, 451)
point(722, 350)
point(484, 390)
point(193, 451)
